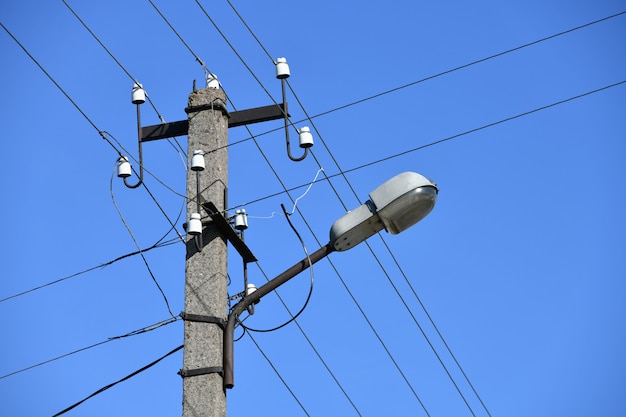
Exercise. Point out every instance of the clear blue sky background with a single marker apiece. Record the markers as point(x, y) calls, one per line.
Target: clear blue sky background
point(521, 265)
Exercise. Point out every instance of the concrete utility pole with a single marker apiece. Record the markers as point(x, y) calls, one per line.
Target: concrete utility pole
point(206, 283)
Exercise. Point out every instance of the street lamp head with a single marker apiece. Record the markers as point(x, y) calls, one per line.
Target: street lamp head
point(395, 206)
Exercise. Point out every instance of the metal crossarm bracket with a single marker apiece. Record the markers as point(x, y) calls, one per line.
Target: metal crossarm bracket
point(237, 118)
point(201, 371)
point(228, 232)
point(203, 319)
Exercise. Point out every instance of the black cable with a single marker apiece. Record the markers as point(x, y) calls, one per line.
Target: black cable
point(375, 256)
point(60, 89)
point(310, 342)
point(281, 182)
point(499, 54)
point(308, 298)
point(278, 374)
point(113, 57)
point(179, 37)
point(437, 142)
point(371, 250)
point(119, 258)
point(432, 322)
point(110, 339)
point(151, 364)
point(130, 232)
point(467, 132)
point(233, 48)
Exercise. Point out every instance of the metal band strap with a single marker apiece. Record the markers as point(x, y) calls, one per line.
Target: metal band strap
point(203, 319)
point(201, 371)
point(217, 105)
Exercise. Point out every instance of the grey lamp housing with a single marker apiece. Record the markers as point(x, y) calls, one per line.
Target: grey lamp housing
point(395, 206)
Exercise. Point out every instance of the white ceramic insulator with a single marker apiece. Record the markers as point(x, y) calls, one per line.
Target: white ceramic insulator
point(194, 226)
point(212, 81)
point(197, 161)
point(306, 138)
point(241, 220)
point(139, 95)
point(282, 69)
point(250, 288)
point(123, 167)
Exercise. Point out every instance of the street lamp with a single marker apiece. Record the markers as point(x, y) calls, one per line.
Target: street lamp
point(395, 206)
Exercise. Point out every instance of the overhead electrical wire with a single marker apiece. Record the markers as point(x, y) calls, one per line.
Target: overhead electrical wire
point(100, 132)
point(279, 375)
point(464, 66)
point(436, 142)
point(310, 342)
point(483, 127)
point(172, 224)
point(308, 298)
point(432, 322)
point(278, 177)
point(111, 385)
point(110, 339)
point(200, 61)
point(375, 256)
point(130, 232)
point(336, 271)
point(112, 56)
point(294, 319)
point(437, 330)
point(413, 290)
point(431, 77)
point(323, 113)
point(389, 279)
point(159, 244)
point(176, 144)
point(103, 134)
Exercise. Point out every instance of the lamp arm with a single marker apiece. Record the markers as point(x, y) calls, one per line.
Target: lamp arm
point(241, 306)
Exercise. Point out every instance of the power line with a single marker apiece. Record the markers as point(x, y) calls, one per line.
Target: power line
point(375, 256)
point(317, 353)
point(309, 227)
point(112, 56)
point(110, 339)
point(284, 187)
point(101, 390)
point(278, 375)
point(200, 61)
point(130, 232)
point(119, 258)
point(432, 322)
point(467, 132)
point(308, 298)
point(499, 54)
point(431, 77)
point(437, 142)
point(371, 250)
point(172, 224)
point(335, 191)
point(176, 146)
point(100, 132)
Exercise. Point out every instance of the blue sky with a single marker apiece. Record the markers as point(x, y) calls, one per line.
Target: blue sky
point(520, 265)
